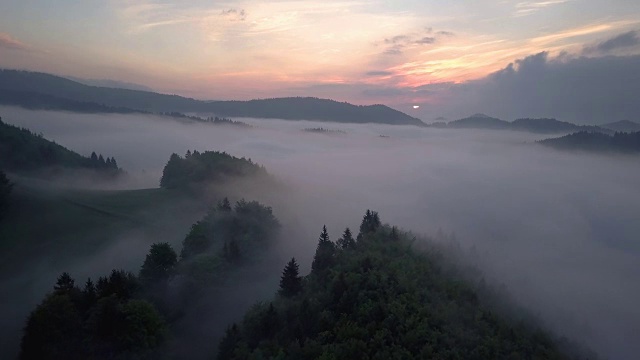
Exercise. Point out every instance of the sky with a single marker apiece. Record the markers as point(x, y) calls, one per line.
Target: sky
point(400, 53)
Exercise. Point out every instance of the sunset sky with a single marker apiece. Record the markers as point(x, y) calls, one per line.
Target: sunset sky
point(358, 51)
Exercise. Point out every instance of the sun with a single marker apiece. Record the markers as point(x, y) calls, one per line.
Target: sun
point(416, 106)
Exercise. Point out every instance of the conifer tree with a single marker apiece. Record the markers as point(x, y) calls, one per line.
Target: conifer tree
point(290, 281)
point(224, 205)
point(346, 241)
point(64, 284)
point(325, 252)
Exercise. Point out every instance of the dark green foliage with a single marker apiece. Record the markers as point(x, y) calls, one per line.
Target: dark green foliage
point(325, 253)
point(159, 264)
point(370, 223)
point(5, 191)
point(321, 130)
point(346, 241)
point(103, 322)
point(592, 141)
point(384, 300)
point(22, 150)
point(210, 166)
point(290, 281)
point(229, 232)
point(222, 121)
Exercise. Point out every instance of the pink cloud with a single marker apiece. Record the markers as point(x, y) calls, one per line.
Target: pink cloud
point(7, 42)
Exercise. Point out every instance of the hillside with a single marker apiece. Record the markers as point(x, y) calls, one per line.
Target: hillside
point(380, 297)
point(23, 151)
point(542, 126)
point(597, 142)
point(479, 121)
point(623, 126)
point(39, 90)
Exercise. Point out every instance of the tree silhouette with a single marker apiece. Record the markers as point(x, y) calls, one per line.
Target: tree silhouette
point(159, 263)
point(224, 205)
point(64, 284)
point(290, 281)
point(325, 252)
point(346, 241)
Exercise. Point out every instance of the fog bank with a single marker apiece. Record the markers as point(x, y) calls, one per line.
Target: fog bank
point(559, 229)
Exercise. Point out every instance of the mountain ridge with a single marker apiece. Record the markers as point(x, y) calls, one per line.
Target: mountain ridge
point(287, 108)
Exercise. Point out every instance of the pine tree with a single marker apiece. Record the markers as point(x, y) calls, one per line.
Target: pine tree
point(370, 223)
point(290, 282)
point(346, 241)
point(64, 284)
point(101, 161)
point(325, 252)
point(394, 236)
point(224, 205)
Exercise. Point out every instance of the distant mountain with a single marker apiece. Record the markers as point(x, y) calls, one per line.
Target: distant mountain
point(543, 126)
point(293, 108)
point(592, 141)
point(479, 121)
point(110, 83)
point(622, 125)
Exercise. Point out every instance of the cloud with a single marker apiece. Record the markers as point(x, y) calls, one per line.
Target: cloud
point(8, 42)
point(625, 40)
point(379, 73)
point(579, 89)
point(426, 40)
point(529, 7)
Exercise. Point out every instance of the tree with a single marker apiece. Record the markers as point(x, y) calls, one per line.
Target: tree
point(370, 223)
point(290, 281)
point(346, 241)
point(5, 191)
point(159, 264)
point(224, 205)
point(325, 252)
point(64, 284)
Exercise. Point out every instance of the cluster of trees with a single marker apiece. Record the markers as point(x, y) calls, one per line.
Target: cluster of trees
point(124, 316)
point(104, 320)
point(324, 131)
point(197, 168)
point(620, 142)
point(22, 150)
point(377, 297)
point(224, 121)
point(225, 237)
point(5, 191)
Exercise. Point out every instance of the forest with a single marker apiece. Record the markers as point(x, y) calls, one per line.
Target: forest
point(23, 151)
point(619, 142)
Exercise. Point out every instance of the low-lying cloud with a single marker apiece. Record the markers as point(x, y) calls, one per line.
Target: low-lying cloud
point(558, 229)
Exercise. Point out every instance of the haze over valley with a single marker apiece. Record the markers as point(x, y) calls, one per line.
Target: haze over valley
point(319, 180)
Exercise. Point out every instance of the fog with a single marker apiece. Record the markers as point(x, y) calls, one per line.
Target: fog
point(558, 229)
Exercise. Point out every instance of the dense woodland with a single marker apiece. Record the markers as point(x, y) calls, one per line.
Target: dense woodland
point(128, 316)
point(620, 142)
point(210, 166)
point(377, 297)
point(22, 150)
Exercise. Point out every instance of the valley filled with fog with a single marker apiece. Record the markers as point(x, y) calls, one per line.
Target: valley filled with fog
point(558, 229)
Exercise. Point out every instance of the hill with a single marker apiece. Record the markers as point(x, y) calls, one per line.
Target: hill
point(23, 151)
point(590, 141)
point(381, 297)
point(479, 121)
point(543, 125)
point(29, 88)
point(623, 126)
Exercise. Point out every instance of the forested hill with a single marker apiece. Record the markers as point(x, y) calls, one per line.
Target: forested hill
point(378, 297)
point(23, 151)
point(27, 89)
point(589, 141)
